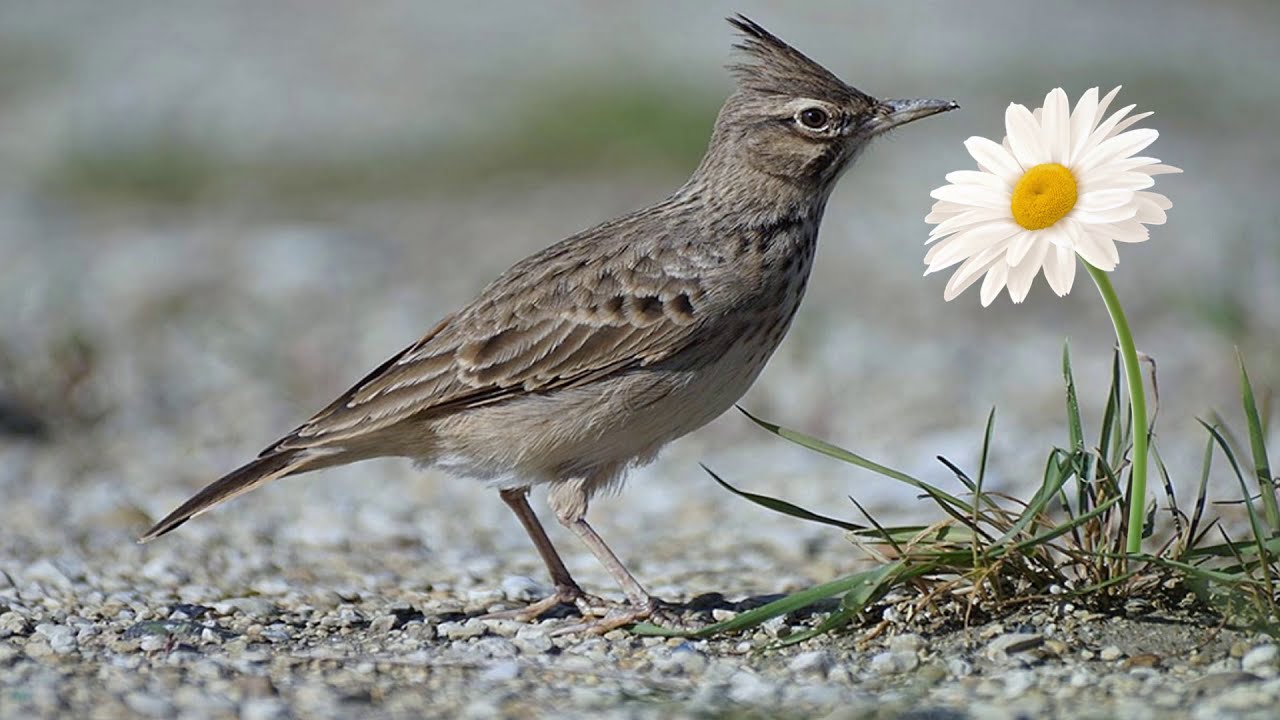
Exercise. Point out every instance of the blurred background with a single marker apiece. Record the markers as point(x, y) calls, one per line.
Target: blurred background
point(216, 216)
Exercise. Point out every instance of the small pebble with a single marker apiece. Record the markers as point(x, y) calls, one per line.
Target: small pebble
point(891, 663)
point(722, 614)
point(521, 589)
point(1004, 647)
point(462, 630)
point(816, 662)
point(502, 671)
point(1260, 660)
point(1110, 653)
point(908, 643)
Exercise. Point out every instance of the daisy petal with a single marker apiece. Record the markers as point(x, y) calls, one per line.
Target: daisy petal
point(967, 274)
point(1150, 208)
point(1133, 163)
point(1055, 125)
point(1069, 230)
point(1060, 269)
point(1161, 201)
point(994, 282)
point(977, 177)
point(1082, 122)
point(941, 214)
point(1098, 251)
point(1057, 234)
point(1100, 200)
point(1161, 170)
point(1103, 104)
point(975, 195)
point(1101, 217)
point(969, 242)
point(991, 156)
point(1019, 247)
point(1102, 133)
point(1130, 231)
point(1129, 122)
point(1024, 136)
point(1022, 275)
point(965, 219)
point(1130, 181)
point(1120, 146)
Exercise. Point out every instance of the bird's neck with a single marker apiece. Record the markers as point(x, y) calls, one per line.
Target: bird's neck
point(741, 196)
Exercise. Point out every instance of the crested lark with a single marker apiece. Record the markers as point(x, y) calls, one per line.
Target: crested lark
point(586, 358)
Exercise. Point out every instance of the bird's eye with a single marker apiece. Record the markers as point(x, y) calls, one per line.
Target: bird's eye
point(813, 118)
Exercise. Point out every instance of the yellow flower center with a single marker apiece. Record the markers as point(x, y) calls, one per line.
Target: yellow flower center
point(1043, 196)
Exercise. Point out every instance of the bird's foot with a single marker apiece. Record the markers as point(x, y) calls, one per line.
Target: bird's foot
point(616, 616)
point(588, 605)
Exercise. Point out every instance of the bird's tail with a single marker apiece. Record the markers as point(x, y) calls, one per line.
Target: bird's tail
point(236, 482)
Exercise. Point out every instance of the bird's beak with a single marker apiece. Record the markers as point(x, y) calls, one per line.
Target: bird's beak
point(900, 112)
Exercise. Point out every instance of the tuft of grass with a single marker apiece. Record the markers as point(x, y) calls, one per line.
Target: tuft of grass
point(988, 554)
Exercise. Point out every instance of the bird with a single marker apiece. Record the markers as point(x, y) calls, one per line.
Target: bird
point(583, 360)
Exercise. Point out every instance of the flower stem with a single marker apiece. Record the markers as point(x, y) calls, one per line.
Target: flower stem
point(1137, 407)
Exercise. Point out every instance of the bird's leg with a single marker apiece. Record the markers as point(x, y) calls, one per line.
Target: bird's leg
point(567, 590)
point(569, 502)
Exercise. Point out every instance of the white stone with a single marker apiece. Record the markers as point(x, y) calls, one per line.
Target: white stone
point(908, 643)
point(817, 662)
point(518, 588)
point(892, 663)
point(501, 671)
point(747, 688)
point(261, 708)
point(1260, 660)
point(461, 630)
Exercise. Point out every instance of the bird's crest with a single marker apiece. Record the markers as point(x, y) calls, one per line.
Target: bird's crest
point(773, 67)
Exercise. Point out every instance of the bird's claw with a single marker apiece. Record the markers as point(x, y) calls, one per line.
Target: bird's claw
point(588, 605)
point(618, 616)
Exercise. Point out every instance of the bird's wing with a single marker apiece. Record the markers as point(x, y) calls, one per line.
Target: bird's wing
point(559, 319)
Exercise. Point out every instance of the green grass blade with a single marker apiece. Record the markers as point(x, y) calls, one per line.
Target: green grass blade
point(1233, 549)
point(986, 451)
point(978, 496)
point(826, 448)
point(1055, 477)
point(1064, 528)
point(858, 598)
point(1207, 574)
point(1111, 413)
point(1258, 446)
point(889, 537)
point(1075, 436)
point(791, 603)
point(784, 507)
point(1202, 494)
point(1075, 428)
point(968, 484)
point(1174, 510)
point(1255, 523)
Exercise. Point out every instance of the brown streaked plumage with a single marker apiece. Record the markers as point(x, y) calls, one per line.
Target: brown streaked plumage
point(586, 358)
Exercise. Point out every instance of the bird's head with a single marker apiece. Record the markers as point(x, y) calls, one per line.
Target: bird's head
point(792, 119)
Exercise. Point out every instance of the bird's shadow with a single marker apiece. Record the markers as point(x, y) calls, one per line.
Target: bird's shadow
point(700, 608)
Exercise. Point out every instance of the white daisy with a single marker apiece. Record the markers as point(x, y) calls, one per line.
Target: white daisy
point(1064, 183)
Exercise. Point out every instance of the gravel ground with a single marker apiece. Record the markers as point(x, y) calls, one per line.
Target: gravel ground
point(148, 344)
point(257, 635)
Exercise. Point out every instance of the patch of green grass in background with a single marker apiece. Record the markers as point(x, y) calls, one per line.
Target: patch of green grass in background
point(164, 168)
point(625, 126)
